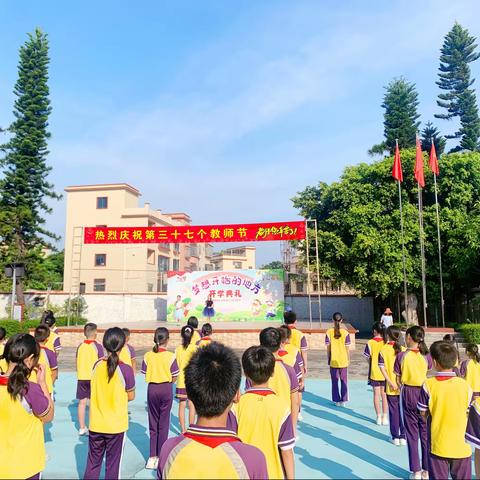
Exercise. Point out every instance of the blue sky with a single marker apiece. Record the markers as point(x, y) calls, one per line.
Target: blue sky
point(220, 109)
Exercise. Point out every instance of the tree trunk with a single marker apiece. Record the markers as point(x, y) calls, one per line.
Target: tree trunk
point(410, 316)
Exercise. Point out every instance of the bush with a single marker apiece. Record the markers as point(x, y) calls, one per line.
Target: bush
point(13, 327)
point(470, 332)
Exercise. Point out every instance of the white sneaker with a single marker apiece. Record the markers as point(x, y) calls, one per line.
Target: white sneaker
point(396, 441)
point(379, 420)
point(385, 420)
point(338, 404)
point(416, 476)
point(152, 463)
point(403, 442)
point(83, 431)
point(342, 404)
point(300, 417)
point(425, 475)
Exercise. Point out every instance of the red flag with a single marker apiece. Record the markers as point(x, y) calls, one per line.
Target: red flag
point(419, 165)
point(433, 162)
point(397, 173)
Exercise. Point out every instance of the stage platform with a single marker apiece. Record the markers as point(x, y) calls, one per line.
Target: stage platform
point(233, 334)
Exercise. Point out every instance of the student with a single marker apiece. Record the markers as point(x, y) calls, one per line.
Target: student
point(289, 353)
point(24, 408)
point(338, 343)
point(53, 344)
point(375, 376)
point(112, 387)
point(472, 435)
point(161, 370)
point(298, 338)
point(193, 322)
point(47, 358)
point(88, 353)
point(183, 353)
point(206, 339)
point(470, 369)
point(209, 449)
point(411, 369)
point(452, 339)
point(386, 362)
point(261, 418)
point(128, 354)
point(3, 362)
point(446, 398)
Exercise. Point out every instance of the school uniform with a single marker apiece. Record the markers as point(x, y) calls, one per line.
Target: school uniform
point(412, 367)
point(472, 435)
point(53, 341)
point(108, 418)
point(183, 356)
point(22, 450)
point(338, 361)
point(204, 341)
point(263, 420)
point(292, 357)
point(470, 371)
point(159, 368)
point(298, 338)
point(386, 359)
point(210, 452)
point(127, 354)
point(372, 349)
point(196, 337)
point(88, 353)
point(48, 359)
point(447, 398)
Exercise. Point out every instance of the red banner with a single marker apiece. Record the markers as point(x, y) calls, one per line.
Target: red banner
point(253, 232)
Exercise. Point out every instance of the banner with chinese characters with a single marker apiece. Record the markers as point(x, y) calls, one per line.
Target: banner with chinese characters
point(252, 232)
point(226, 296)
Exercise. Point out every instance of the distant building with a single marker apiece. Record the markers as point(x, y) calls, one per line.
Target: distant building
point(122, 268)
point(234, 258)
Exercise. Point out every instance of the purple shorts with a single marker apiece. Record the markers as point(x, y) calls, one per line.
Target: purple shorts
point(181, 394)
point(83, 389)
point(377, 383)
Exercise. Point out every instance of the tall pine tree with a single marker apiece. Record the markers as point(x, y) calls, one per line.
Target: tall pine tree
point(24, 188)
point(430, 133)
point(400, 117)
point(457, 52)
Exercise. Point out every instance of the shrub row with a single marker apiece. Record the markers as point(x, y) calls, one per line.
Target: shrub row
point(12, 326)
point(470, 332)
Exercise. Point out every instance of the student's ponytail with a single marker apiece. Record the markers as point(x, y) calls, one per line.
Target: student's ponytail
point(113, 342)
point(160, 338)
point(337, 320)
point(393, 334)
point(186, 334)
point(472, 351)
point(17, 350)
point(417, 334)
point(379, 328)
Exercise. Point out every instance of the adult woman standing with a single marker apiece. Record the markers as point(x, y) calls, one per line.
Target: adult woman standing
point(209, 311)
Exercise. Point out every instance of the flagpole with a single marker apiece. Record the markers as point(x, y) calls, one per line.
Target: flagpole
point(422, 252)
point(439, 241)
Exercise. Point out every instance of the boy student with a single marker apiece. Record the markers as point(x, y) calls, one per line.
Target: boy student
point(208, 449)
point(446, 398)
point(48, 318)
point(206, 339)
point(261, 418)
point(46, 358)
point(128, 354)
point(298, 338)
point(88, 353)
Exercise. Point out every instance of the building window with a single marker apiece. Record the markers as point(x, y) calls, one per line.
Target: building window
point(299, 287)
point(176, 247)
point(176, 265)
point(163, 264)
point(102, 202)
point(100, 259)
point(237, 264)
point(99, 285)
point(151, 257)
point(82, 288)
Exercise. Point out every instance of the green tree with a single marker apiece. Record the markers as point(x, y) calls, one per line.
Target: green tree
point(430, 133)
point(459, 100)
point(24, 188)
point(359, 235)
point(276, 264)
point(400, 117)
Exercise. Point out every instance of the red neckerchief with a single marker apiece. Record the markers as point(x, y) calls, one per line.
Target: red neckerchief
point(391, 343)
point(211, 440)
point(3, 380)
point(160, 350)
point(378, 339)
point(282, 353)
point(261, 391)
point(205, 339)
point(442, 376)
point(88, 342)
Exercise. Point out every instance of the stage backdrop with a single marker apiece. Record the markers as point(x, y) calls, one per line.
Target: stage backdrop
point(237, 295)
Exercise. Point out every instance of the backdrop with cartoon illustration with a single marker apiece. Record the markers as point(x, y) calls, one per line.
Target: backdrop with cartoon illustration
point(237, 295)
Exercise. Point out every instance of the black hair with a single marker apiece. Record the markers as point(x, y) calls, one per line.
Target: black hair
point(453, 340)
point(258, 364)
point(126, 331)
point(17, 350)
point(212, 379)
point(42, 332)
point(113, 341)
point(3, 333)
point(48, 318)
point(417, 334)
point(192, 322)
point(289, 317)
point(472, 351)
point(337, 318)
point(160, 337)
point(207, 329)
point(89, 328)
point(186, 333)
point(379, 328)
point(394, 334)
point(270, 338)
point(444, 353)
point(285, 333)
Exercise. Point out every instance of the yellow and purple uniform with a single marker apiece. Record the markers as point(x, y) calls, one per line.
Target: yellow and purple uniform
point(53, 341)
point(88, 353)
point(127, 354)
point(470, 371)
point(160, 367)
point(48, 359)
point(263, 420)
point(204, 453)
point(292, 357)
point(472, 434)
point(386, 359)
point(298, 338)
point(3, 362)
point(338, 360)
point(196, 337)
point(204, 341)
point(372, 349)
point(183, 356)
point(22, 453)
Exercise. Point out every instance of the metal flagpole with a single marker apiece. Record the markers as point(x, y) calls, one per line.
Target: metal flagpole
point(405, 291)
point(422, 252)
point(442, 303)
point(308, 272)
point(318, 274)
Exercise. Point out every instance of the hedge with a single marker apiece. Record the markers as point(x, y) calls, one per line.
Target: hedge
point(12, 326)
point(470, 332)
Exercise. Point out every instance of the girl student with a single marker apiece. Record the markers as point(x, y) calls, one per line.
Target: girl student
point(112, 387)
point(161, 370)
point(386, 361)
point(337, 340)
point(24, 408)
point(410, 368)
point(206, 339)
point(375, 376)
point(470, 369)
point(183, 353)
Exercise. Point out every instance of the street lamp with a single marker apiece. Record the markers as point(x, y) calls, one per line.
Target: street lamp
point(14, 271)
